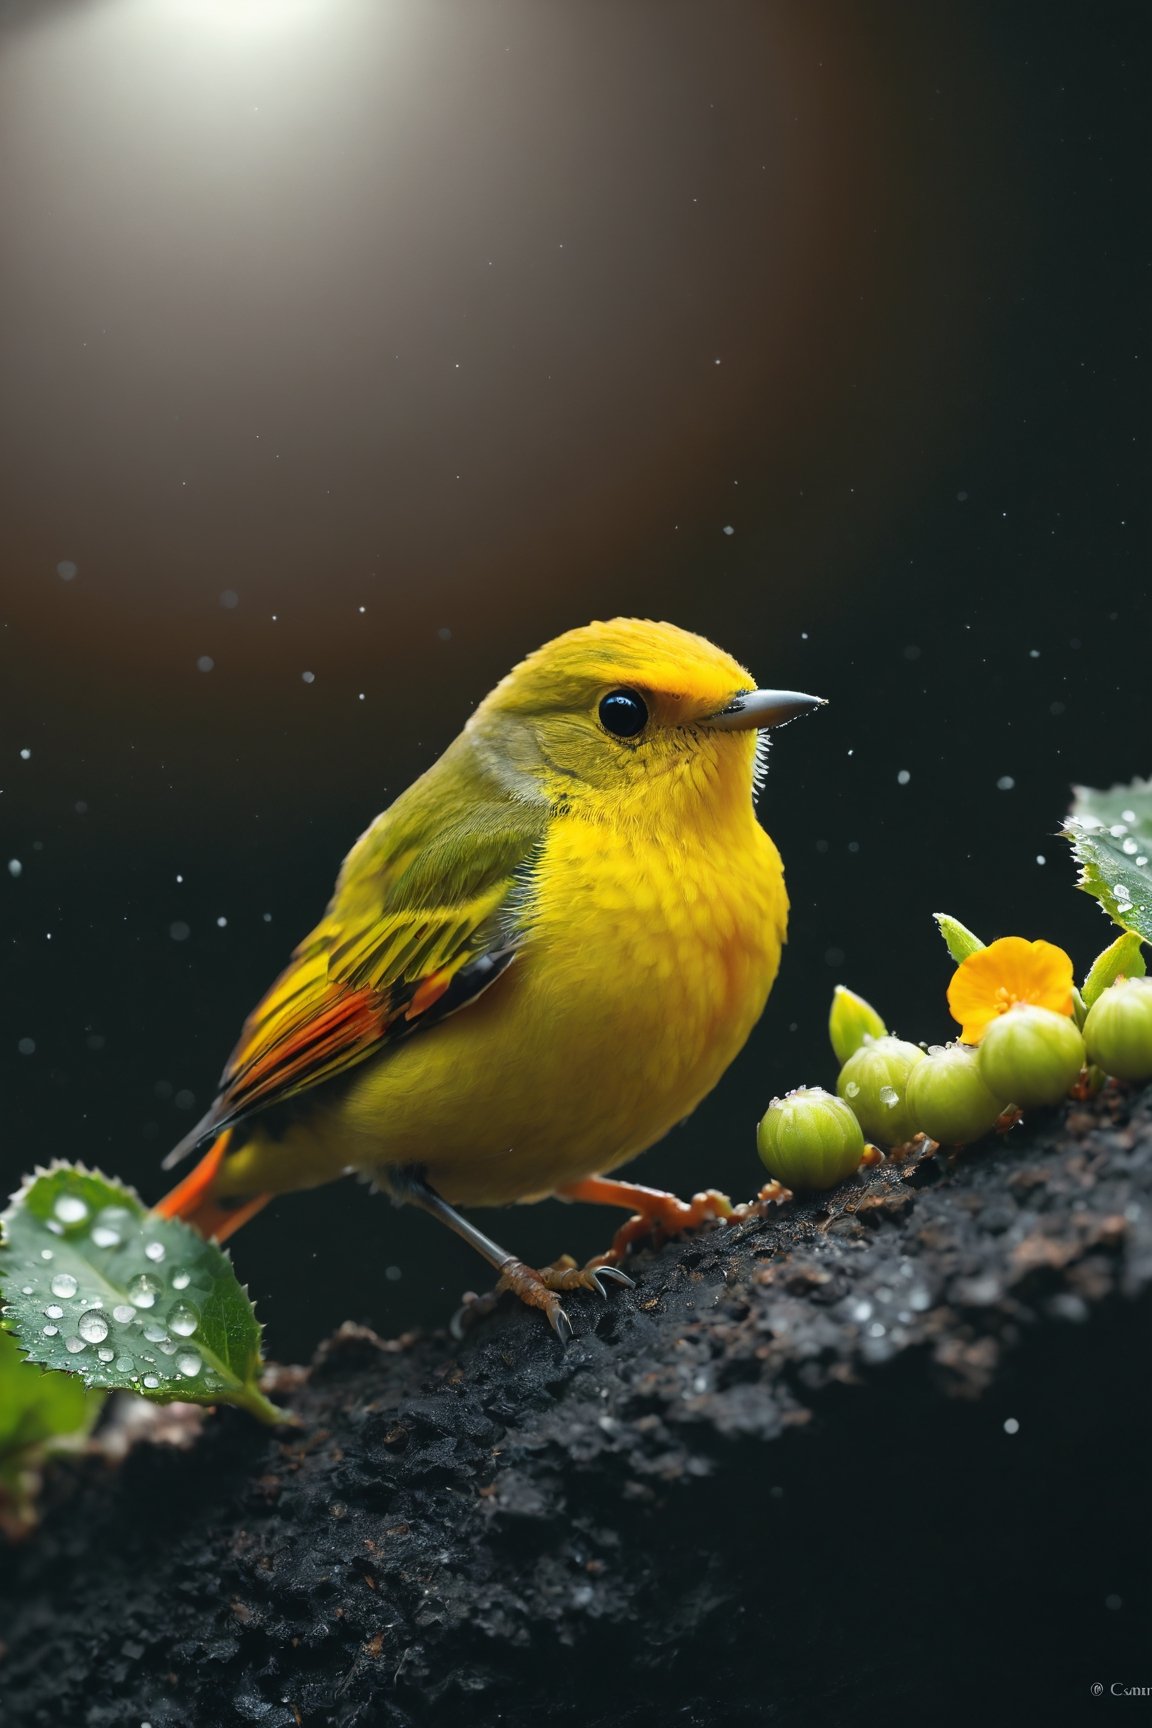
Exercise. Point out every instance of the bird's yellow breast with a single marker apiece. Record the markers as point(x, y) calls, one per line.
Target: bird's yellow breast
point(643, 968)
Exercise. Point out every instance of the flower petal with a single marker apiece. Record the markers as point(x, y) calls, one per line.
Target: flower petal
point(1009, 970)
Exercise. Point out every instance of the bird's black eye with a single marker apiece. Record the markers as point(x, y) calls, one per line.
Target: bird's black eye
point(623, 713)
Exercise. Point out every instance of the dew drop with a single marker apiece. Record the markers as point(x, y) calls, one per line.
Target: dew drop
point(143, 1291)
point(122, 1313)
point(189, 1363)
point(26, 1290)
point(889, 1097)
point(46, 1254)
point(53, 1312)
point(51, 1331)
point(75, 1345)
point(151, 1381)
point(1130, 846)
point(852, 1089)
point(105, 1354)
point(54, 1225)
point(70, 1209)
point(93, 1327)
point(166, 1347)
point(154, 1332)
point(181, 1280)
point(155, 1251)
point(63, 1284)
point(184, 1319)
point(111, 1226)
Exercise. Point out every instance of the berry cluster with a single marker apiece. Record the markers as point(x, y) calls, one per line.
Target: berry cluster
point(1028, 1038)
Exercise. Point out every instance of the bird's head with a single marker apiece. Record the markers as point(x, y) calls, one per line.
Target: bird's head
point(604, 715)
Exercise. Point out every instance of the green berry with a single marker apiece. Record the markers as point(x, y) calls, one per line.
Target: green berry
point(948, 1099)
point(874, 1084)
point(851, 1021)
point(1118, 1030)
point(1031, 1055)
point(808, 1139)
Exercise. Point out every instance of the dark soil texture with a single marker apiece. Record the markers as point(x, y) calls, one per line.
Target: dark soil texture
point(879, 1455)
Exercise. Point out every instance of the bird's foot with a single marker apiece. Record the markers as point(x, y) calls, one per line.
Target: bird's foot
point(541, 1289)
point(773, 1193)
point(664, 1215)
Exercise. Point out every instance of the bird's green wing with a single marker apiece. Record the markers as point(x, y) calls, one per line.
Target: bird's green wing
point(424, 918)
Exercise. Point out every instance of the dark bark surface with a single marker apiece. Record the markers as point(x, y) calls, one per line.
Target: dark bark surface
point(878, 1456)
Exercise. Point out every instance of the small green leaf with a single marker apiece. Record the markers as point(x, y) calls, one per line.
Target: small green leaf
point(36, 1407)
point(1111, 838)
point(850, 1021)
point(960, 941)
point(1121, 959)
point(99, 1287)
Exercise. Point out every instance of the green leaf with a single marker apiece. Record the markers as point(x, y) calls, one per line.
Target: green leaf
point(1111, 838)
point(39, 1413)
point(36, 1407)
point(1121, 959)
point(97, 1286)
point(850, 1021)
point(960, 941)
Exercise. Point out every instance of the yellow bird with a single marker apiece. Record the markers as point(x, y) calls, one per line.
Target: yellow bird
point(539, 959)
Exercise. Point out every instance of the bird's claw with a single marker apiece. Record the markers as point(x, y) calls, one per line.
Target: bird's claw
point(540, 1289)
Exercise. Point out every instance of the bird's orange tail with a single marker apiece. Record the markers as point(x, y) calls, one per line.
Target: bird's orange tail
point(194, 1200)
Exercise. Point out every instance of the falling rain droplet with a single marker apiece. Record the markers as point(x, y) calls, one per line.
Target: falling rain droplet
point(184, 1319)
point(63, 1284)
point(189, 1363)
point(122, 1313)
point(70, 1209)
point(155, 1251)
point(92, 1327)
point(143, 1291)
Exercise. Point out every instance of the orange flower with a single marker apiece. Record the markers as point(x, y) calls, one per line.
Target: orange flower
point(1011, 970)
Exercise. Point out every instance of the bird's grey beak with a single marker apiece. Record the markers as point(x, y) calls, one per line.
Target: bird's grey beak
point(760, 708)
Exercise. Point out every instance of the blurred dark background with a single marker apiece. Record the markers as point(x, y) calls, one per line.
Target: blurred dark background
point(354, 348)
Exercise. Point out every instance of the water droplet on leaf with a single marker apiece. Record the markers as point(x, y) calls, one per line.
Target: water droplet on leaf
point(184, 1319)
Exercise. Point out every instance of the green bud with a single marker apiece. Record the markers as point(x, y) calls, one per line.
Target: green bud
point(948, 1099)
point(851, 1021)
point(1118, 1030)
point(1121, 959)
point(958, 939)
point(874, 1083)
point(808, 1139)
point(1031, 1055)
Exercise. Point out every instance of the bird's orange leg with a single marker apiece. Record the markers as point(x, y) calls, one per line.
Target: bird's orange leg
point(655, 1211)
